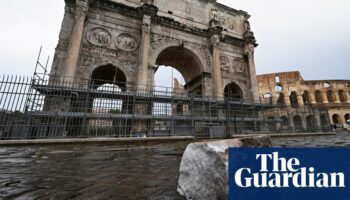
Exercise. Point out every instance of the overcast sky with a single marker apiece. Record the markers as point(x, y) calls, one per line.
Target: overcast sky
point(307, 35)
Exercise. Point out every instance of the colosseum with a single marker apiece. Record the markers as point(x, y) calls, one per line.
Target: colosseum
point(305, 104)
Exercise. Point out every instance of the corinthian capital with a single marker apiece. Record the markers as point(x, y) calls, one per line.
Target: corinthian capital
point(82, 7)
point(215, 40)
point(146, 23)
point(249, 49)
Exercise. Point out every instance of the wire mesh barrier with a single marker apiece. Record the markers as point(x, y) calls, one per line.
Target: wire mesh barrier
point(56, 107)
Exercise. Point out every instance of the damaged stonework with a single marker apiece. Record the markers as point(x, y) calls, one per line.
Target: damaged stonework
point(204, 166)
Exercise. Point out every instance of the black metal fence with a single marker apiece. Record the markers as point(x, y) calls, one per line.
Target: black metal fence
point(35, 108)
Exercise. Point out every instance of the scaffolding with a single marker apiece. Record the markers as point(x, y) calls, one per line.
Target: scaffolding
point(47, 106)
point(37, 107)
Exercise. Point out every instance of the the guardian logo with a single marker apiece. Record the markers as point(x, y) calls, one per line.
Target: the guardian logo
point(291, 173)
point(286, 173)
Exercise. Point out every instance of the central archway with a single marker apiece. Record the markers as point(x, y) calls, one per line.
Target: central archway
point(183, 64)
point(187, 63)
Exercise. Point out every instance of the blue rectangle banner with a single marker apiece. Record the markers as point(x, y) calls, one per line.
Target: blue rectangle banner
point(289, 173)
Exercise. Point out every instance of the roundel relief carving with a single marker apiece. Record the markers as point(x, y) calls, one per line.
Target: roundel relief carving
point(99, 37)
point(126, 42)
point(238, 65)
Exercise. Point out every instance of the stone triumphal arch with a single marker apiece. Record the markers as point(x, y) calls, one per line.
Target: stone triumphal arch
point(210, 44)
point(109, 51)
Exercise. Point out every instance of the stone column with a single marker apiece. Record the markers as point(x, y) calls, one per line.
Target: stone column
point(336, 97)
point(312, 98)
point(74, 44)
point(273, 93)
point(318, 122)
point(324, 97)
point(147, 10)
point(150, 76)
point(219, 93)
point(348, 96)
point(144, 53)
point(300, 100)
point(249, 50)
point(287, 99)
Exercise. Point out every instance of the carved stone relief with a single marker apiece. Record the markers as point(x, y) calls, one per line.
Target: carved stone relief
point(231, 23)
point(99, 37)
point(238, 65)
point(225, 64)
point(126, 42)
point(232, 67)
point(217, 18)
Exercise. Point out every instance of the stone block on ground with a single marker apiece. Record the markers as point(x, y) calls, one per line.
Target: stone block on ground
point(204, 167)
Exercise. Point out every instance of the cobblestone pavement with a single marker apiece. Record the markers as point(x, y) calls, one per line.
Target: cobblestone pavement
point(342, 139)
point(90, 172)
point(106, 172)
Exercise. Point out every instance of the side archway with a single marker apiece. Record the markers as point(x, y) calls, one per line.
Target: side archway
point(233, 92)
point(108, 74)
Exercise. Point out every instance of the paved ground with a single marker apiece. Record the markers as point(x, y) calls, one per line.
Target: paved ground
point(341, 139)
point(90, 172)
point(106, 172)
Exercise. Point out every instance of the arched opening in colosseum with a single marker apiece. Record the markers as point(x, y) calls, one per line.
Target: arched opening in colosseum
point(336, 119)
point(267, 98)
point(187, 64)
point(343, 96)
point(306, 98)
point(311, 122)
point(330, 96)
point(318, 96)
point(233, 92)
point(294, 99)
point(285, 123)
point(280, 100)
point(271, 123)
point(278, 88)
point(298, 122)
point(347, 117)
point(324, 119)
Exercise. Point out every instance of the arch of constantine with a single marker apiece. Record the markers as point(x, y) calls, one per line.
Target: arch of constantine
point(210, 44)
point(109, 51)
point(102, 83)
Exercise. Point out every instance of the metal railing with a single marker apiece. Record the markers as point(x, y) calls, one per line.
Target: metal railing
point(55, 107)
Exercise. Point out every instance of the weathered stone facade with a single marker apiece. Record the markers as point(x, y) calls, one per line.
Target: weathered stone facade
point(291, 90)
point(211, 45)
